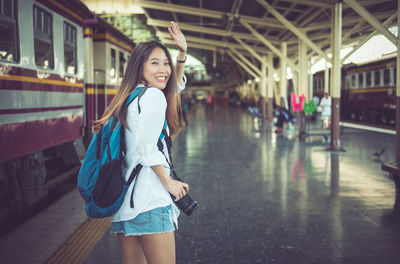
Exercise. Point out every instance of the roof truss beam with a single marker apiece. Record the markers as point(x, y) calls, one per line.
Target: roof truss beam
point(268, 44)
point(211, 31)
point(242, 65)
point(293, 28)
point(347, 21)
point(321, 4)
point(255, 54)
point(364, 40)
point(192, 45)
point(372, 20)
point(206, 13)
point(251, 65)
point(209, 42)
point(252, 51)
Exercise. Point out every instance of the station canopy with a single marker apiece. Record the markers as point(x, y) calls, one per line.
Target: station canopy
point(228, 31)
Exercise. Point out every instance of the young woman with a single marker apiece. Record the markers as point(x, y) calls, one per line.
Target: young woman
point(146, 231)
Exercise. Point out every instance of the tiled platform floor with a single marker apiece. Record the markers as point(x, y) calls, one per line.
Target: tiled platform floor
point(268, 198)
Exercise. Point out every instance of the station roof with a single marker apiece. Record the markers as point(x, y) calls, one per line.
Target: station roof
point(233, 26)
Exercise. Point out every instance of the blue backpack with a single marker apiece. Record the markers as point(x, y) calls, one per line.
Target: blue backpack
point(101, 181)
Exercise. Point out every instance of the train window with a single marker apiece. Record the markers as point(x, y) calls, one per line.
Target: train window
point(8, 31)
point(377, 78)
point(368, 79)
point(386, 76)
point(360, 80)
point(394, 76)
point(347, 84)
point(70, 48)
point(353, 80)
point(121, 64)
point(392, 73)
point(43, 34)
point(113, 63)
point(7, 7)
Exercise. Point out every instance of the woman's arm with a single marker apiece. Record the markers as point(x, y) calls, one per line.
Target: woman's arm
point(180, 42)
point(174, 187)
point(151, 121)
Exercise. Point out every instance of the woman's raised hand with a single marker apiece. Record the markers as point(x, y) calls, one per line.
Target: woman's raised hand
point(177, 36)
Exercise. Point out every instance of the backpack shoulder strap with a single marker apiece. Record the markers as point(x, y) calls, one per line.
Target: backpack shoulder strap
point(140, 94)
point(139, 91)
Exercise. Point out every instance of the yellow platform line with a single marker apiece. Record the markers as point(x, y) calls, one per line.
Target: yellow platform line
point(78, 246)
point(37, 80)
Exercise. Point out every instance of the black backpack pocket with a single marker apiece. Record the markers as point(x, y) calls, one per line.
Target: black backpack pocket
point(109, 184)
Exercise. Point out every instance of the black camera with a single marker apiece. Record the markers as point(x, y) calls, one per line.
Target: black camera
point(186, 204)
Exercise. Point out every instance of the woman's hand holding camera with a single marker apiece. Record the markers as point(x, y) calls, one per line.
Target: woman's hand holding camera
point(176, 188)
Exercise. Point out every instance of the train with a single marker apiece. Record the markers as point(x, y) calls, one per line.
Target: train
point(60, 66)
point(368, 93)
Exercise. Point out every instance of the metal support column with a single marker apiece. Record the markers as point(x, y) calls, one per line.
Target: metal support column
point(398, 86)
point(270, 88)
point(283, 82)
point(326, 78)
point(253, 89)
point(303, 83)
point(214, 59)
point(263, 86)
point(310, 80)
point(88, 79)
point(336, 76)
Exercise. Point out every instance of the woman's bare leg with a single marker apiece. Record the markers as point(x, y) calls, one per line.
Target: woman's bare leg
point(132, 252)
point(159, 248)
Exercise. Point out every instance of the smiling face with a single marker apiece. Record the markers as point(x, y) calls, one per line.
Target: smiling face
point(157, 70)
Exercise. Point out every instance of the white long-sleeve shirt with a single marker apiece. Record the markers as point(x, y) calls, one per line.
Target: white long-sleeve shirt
point(141, 147)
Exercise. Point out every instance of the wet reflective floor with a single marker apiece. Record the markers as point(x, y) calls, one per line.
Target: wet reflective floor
point(268, 198)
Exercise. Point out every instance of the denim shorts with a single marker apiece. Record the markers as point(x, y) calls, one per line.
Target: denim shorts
point(156, 221)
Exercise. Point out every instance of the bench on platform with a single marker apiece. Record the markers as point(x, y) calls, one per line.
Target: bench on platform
point(320, 132)
point(394, 170)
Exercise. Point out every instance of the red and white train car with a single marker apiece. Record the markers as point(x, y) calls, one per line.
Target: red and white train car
point(368, 91)
point(59, 68)
point(108, 53)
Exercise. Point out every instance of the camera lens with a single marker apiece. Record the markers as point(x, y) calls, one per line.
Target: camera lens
point(186, 204)
point(191, 208)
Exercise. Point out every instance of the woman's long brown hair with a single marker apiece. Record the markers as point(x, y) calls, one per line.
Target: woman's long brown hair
point(133, 77)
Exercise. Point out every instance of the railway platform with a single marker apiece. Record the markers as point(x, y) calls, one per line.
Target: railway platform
point(264, 198)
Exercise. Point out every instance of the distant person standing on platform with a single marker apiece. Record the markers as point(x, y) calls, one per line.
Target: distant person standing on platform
point(146, 231)
point(209, 99)
point(224, 101)
point(325, 107)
